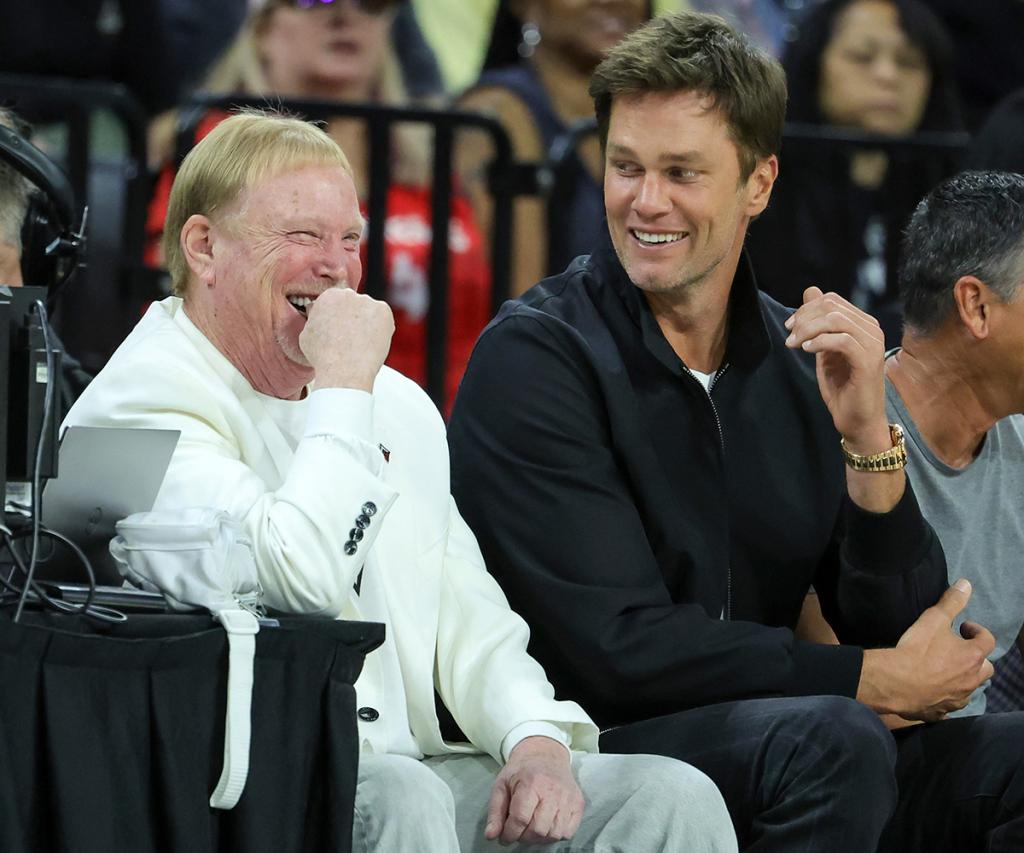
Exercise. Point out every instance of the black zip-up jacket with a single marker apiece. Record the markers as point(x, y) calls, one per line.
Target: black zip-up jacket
point(659, 539)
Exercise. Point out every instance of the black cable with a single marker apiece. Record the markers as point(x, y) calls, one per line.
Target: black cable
point(51, 389)
point(86, 608)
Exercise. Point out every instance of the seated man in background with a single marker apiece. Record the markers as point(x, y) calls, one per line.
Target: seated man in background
point(957, 388)
point(271, 367)
point(640, 445)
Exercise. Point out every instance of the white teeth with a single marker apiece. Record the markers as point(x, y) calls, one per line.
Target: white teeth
point(648, 237)
point(301, 301)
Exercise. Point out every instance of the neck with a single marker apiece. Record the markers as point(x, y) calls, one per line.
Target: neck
point(565, 84)
point(274, 375)
point(949, 400)
point(695, 322)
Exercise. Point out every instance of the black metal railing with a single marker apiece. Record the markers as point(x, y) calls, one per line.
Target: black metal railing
point(504, 181)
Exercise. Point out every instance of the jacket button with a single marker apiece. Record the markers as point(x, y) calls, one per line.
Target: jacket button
point(367, 714)
point(351, 548)
point(355, 534)
point(369, 508)
point(362, 522)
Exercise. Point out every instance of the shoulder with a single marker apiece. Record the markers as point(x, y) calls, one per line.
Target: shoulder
point(156, 369)
point(775, 315)
point(1011, 430)
point(559, 307)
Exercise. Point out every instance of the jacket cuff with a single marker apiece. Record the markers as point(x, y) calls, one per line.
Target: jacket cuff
point(886, 542)
point(824, 670)
point(538, 728)
point(340, 412)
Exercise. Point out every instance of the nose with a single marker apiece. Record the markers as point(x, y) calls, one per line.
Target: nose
point(886, 68)
point(335, 265)
point(651, 199)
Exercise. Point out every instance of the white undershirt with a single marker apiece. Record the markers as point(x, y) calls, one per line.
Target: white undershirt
point(705, 378)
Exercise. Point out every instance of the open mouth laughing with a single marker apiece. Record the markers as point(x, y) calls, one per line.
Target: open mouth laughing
point(301, 303)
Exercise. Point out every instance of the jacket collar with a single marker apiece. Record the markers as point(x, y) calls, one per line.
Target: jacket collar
point(748, 340)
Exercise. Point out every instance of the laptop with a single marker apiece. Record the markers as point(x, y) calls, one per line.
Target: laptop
point(104, 475)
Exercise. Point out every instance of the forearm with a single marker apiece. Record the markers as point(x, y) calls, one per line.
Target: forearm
point(874, 491)
point(891, 567)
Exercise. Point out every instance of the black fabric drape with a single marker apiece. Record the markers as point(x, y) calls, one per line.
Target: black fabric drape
point(112, 737)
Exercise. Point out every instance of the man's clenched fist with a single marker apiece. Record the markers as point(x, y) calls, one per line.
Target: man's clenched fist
point(346, 338)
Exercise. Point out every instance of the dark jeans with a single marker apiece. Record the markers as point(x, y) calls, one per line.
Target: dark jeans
point(810, 774)
point(961, 787)
point(817, 774)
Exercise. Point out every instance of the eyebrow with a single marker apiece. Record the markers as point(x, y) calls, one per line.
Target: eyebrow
point(302, 221)
point(686, 157)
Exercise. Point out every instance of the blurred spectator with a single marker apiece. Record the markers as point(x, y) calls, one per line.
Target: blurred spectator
point(877, 66)
point(989, 61)
point(341, 51)
point(535, 79)
point(1000, 142)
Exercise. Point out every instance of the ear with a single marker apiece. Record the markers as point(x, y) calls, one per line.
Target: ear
point(197, 244)
point(973, 301)
point(760, 183)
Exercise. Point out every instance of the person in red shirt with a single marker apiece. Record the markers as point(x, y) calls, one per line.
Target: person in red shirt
point(341, 51)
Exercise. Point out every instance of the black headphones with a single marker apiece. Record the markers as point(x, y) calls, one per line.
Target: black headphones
point(51, 249)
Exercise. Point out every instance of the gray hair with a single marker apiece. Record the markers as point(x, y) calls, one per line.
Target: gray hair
point(15, 189)
point(970, 224)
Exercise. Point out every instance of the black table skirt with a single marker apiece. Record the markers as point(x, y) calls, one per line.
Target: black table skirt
point(112, 738)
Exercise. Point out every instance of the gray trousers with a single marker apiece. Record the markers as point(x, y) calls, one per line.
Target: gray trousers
point(634, 804)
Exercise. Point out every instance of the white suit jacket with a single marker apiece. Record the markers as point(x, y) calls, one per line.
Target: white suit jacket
point(451, 624)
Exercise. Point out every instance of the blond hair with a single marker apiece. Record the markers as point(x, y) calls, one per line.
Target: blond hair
point(240, 152)
point(241, 71)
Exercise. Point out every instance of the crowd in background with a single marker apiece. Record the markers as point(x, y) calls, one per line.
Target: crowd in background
point(920, 74)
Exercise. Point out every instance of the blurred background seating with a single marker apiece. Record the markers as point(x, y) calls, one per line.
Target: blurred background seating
point(851, 170)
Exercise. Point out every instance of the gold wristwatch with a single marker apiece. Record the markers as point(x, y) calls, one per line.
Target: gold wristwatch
point(892, 459)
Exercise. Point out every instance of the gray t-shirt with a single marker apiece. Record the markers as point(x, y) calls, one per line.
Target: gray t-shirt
point(978, 514)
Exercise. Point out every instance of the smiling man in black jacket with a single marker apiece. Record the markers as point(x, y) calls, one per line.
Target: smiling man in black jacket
point(641, 446)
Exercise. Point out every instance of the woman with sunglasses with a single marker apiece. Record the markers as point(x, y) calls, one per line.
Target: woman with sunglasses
point(343, 51)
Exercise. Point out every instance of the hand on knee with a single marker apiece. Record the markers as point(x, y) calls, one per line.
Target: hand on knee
point(535, 798)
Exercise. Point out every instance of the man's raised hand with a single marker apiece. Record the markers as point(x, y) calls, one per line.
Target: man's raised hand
point(346, 338)
point(849, 350)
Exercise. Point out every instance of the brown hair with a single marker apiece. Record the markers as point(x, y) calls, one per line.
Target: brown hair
point(694, 52)
point(241, 151)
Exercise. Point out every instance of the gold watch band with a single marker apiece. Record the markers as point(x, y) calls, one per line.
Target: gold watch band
point(892, 459)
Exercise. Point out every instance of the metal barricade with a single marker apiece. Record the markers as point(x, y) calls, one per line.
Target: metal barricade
point(504, 180)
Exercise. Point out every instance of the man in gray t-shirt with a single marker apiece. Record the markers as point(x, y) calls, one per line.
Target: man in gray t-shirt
point(957, 388)
point(977, 511)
